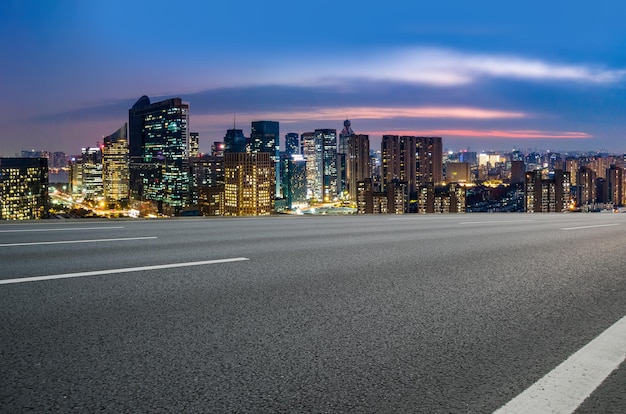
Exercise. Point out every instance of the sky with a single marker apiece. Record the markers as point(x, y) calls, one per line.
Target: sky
point(484, 75)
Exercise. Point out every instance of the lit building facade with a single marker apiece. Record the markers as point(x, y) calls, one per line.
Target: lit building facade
point(93, 187)
point(194, 145)
point(265, 137)
point(358, 166)
point(614, 183)
point(585, 187)
point(116, 168)
point(312, 151)
point(293, 179)
point(547, 193)
point(433, 199)
point(158, 147)
point(292, 143)
point(328, 140)
point(23, 188)
point(416, 160)
point(248, 184)
point(206, 171)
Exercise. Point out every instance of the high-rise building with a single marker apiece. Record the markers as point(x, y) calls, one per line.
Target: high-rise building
point(585, 187)
point(614, 183)
point(234, 141)
point(206, 171)
point(547, 194)
point(328, 139)
point(116, 168)
point(75, 177)
point(312, 151)
point(265, 137)
point(391, 201)
point(416, 160)
point(293, 179)
point(518, 171)
point(194, 145)
point(436, 199)
point(93, 188)
point(23, 188)
point(249, 184)
point(292, 145)
point(358, 162)
point(158, 148)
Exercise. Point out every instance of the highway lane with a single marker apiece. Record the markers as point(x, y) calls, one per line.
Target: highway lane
point(456, 313)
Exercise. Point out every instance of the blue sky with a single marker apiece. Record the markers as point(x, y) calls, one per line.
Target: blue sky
point(482, 74)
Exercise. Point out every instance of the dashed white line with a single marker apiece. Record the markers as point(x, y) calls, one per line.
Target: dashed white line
point(590, 227)
point(63, 229)
point(75, 241)
point(567, 386)
point(115, 271)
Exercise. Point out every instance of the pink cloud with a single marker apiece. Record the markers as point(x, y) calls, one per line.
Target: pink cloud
point(518, 134)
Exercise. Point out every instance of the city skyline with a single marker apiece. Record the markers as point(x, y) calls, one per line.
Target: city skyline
point(479, 75)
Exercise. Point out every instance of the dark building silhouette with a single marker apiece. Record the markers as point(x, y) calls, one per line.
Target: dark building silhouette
point(585, 186)
point(358, 166)
point(293, 179)
point(614, 182)
point(265, 137)
point(234, 141)
point(518, 171)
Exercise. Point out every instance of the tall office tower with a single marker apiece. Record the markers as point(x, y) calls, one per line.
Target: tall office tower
point(342, 160)
point(358, 163)
point(344, 137)
point(234, 141)
point(328, 139)
point(293, 179)
point(194, 145)
point(116, 168)
point(23, 188)
point(206, 171)
point(93, 188)
point(602, 191)
point(217, 149)
point(571, 166)
point(248, 184)
point(265, 137)
point(292, 145)
point(312, 151)
point(518, 172)
point(547, 195)
point(585, 187)
point(614, 183)
point(75, 178)
point(416, 160)
point(158, 145)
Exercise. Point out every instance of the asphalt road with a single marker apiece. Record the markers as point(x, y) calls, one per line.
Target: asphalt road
point(367, 314)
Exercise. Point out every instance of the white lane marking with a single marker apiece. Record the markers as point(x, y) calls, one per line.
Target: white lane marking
point(495, 221)
point(75, 241)
point(122, 270)
point(590, 227)
point(567, 386)
point(63, 229)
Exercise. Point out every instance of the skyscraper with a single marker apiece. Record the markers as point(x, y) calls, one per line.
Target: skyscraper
point(93, 188)
point(328, 139)
point(312, 152)
point(614, 185)
point(416, 160)
point(547, 194)
point(249, 184)
point(194, 145)
point(116, 168)
point(585, 187)
point(292, 145)
point(234, 141)
point(358, 162)
point(265, 137)
point(23, 188)
point(158, 148)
